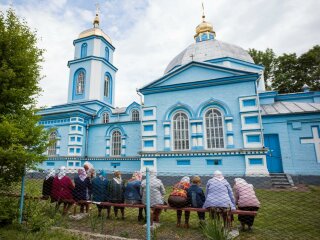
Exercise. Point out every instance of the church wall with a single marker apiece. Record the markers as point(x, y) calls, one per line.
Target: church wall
point(193, 98)
point(99, 133)
point(90, 50)
point(297, 158)
point(125, 166)
point(230, 165)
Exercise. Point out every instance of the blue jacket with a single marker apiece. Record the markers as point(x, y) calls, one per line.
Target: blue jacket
point(99, 190)
point(196, 196)
point(132, 191)
point(82, 190)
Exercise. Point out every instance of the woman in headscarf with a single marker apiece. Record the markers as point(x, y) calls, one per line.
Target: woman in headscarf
point(116, 192)
point(219, 196)
point(132, 192)
point(47, 184)
point(88, 167)
point(179, 199)
point(246, 199)
point(61, 192)
point(157, 192)
point(82, 190)
point(99, 191)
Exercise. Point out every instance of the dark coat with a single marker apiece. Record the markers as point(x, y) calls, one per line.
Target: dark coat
point(99, 190)
point(116, 191)
point(132, 190)
point(82, 190)
point(196, 197)
point(47, 186)
point(62, 189)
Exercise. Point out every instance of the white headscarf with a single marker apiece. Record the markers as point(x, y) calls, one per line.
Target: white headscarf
point(185, 179)
point(50, 173)
point(88, 164)
point(240, 181)
point(82, 174)
point(62, 172)
point(218, 175)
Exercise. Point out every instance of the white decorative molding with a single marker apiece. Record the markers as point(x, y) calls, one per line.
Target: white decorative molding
point(152, 168)
point(256, 169)
point(248, 108)
point(315, 140)
point(252, 144)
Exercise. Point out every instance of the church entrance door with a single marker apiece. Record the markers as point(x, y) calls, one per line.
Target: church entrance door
point(274, 160)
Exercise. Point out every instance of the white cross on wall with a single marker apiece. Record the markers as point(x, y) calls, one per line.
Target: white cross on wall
point(315, 140)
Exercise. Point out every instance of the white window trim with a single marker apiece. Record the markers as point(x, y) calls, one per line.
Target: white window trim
point(73, 164)
point(149, 133)
point(250, 108)
point(172, 130)
point(249, 126)
point(204, 130)
point(259, 170)
point(76, 131)
point(75, 151)
point(154, 148)
point(153, 168)
point(148, 118)
point(252, 145)
point(112, 144)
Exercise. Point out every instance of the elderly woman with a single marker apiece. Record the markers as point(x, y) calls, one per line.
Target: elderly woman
point(157, 192)
point(82, 190)
point(89, 169)
point(116, 192)
point(99, 191)
point(246, 200)
point(219, 196)
point(179, 199)
point(47, 184)
point(132, 193)
point(61, 192)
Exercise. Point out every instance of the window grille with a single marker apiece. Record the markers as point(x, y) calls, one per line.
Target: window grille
point(214, 129)
point(52, 149)
point(105, 118)
point(80, 83)
point(116, 143)
point(181, 131)
point(106, 86)
point(135, 116)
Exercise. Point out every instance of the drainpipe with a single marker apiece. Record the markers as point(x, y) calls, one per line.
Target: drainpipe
point(259, 112)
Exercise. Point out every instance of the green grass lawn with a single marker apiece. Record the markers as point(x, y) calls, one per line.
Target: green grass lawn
point(284, 214)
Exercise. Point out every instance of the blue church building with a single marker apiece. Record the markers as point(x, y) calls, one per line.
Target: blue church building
point(208, 111)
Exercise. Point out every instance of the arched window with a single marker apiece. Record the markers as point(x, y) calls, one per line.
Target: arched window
point(135, 116)
point(214, 129)
point(80, 83)
point(181, 131)
point(84, 50)
point(105, 118)
point(106, 86)
point(52, 149)
point(106, 54)
point(116, 144)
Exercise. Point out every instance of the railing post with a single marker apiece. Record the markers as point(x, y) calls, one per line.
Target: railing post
point(148, 203)
point(22, 196)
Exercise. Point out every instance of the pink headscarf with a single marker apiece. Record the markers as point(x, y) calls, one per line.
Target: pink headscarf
point(82, 174)
point(137, 176)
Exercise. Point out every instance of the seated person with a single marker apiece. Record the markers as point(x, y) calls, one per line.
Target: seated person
point(99, 191)
point(61, 192)
point(82, 190)
point(219, 197)
point(47, 184)
point(247, 200)
point(116, 193)
point(157, 192)
point(132, 192)
point(196, 196)
point(178, 199)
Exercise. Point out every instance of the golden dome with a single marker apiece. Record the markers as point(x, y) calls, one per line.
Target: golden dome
point(204, 27)
point(95, 32)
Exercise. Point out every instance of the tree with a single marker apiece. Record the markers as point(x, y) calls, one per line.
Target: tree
point(22, 140)
point(267, 59)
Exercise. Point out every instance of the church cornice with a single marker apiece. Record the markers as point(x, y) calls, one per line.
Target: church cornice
point(94, 37)
point(200, 84)
point(88, 58)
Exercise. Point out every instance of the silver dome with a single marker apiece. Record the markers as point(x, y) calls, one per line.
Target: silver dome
point(208, 50)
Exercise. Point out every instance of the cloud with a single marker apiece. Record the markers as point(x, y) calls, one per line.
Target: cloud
point(147, 34)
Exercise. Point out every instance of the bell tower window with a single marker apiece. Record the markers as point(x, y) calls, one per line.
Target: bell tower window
point(106, 86)
point(106, 55)
point(84, 50)
point(80, 83)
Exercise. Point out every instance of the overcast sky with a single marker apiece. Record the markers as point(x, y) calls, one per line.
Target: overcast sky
point(147, 34)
